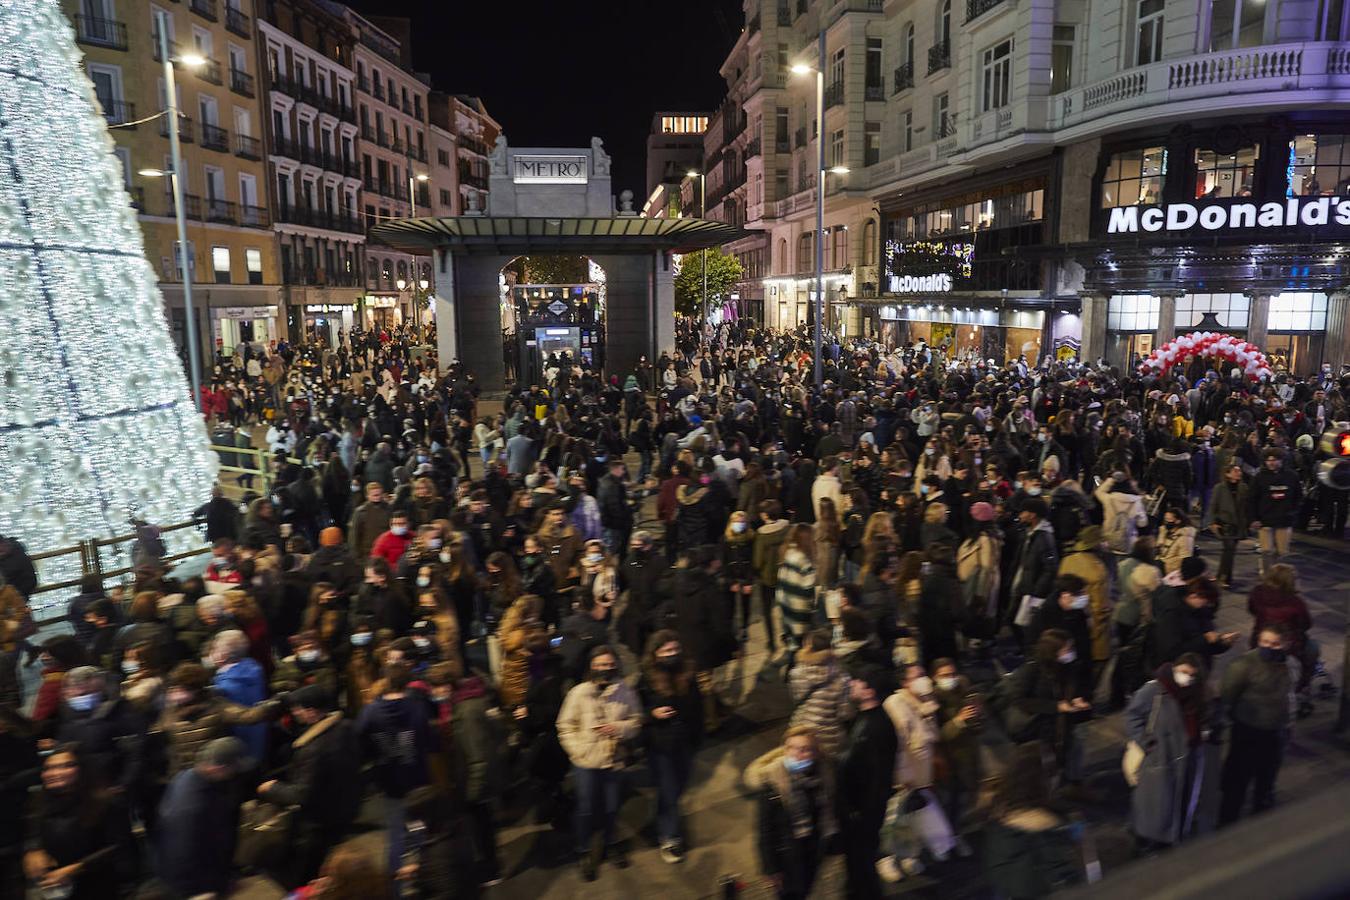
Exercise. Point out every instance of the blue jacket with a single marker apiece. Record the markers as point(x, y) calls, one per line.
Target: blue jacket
point(244, 683)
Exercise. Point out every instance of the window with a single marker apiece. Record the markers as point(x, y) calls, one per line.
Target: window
point(1298, 311)
point(1331, 20)
point(805, 257)
point(837, 148)
point(869, 243)
point(108, 89)
point(780, 126)
point(906, 131)
point(836, 75)
point(784, 264)
point(909, 44)
point(253, 262)
point(1134, 177)
point(871, 143)
point(944, 24)
point(1226, 175)
point(839, 254)
point(997, 68)
point(1237, 23)
point(1148, 34)
point(220, 264)
point(443, 157)
point(1061, 59)
point(1231, 310)
point(445, 197)
point(942, 124)
point(1132, 312)
point(1319, 164)
point(873, 74)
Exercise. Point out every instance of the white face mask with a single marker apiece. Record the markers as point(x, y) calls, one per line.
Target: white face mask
point(1080, 601)
point(1183, 679)
point(921, 686)
point(946, 684)
point(738, 527)
point(1068, 656)
point(423, 580)
point(445, 556)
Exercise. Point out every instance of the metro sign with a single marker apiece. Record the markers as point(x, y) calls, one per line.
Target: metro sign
point(550, 169)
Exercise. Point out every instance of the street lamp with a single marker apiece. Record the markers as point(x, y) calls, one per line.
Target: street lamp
point(412, 197)
point(702, 214)
point(191, 60)
point(818, 307)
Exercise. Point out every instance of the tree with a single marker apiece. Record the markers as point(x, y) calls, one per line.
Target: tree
point(96, 417)
point(553, 270)
point(723, 273)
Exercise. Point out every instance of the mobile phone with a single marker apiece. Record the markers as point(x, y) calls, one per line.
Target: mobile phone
point(555, 642)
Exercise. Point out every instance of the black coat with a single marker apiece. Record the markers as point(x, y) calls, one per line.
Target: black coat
point(110, 741)
point(196, 835)
point(337, 566)
point(612, 498)
point(941, 593)
point(1179, 627)
point(702, 617)
point(1037, 566)
point(866, 766)
point(95, 831)
point(639, 575)
point(323, 777)
point(1075, 622)
point(682, 732)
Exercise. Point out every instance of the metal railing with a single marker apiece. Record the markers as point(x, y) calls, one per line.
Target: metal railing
point(215, 138)
point(118, 112)
point(237, 22)
point(904, 77)
point(241, 82)
point(204, 8)
point(247, 147)
point(101, 32)
point(977, 8)
point(939, 57)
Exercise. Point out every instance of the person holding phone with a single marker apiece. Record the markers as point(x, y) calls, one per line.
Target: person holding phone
point(672, 729)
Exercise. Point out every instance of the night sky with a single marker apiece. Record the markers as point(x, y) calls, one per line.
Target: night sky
point(555, 73)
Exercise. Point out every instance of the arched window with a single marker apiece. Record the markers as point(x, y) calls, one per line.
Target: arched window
point(870, 242)
point(402, 270)
point(387, 270)
point(909, 44)
point(806, 261)
point(944, 24)
point(784, 266)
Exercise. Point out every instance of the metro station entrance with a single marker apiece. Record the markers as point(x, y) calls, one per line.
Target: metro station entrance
point(555, 325)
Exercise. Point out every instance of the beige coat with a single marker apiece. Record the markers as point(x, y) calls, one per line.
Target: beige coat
point(1088, 567)
point(916, 731)
point(588, 705)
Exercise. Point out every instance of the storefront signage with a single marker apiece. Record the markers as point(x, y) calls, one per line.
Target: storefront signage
point(551, 169)
point(326, 308)
point(374, 301)
point(1292, 212)
point(921, 284)
point(246, 313)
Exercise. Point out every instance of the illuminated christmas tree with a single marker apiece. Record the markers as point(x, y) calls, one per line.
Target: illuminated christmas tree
point(96, 421)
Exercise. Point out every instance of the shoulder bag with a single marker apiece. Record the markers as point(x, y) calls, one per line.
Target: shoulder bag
point(1133, 760)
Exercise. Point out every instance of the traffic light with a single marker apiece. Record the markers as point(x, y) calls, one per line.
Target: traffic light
point(1334, 472)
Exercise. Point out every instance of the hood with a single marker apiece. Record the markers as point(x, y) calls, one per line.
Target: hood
point(1172, 457)
point(766, 771)
point(773, 527)
point(815, 657)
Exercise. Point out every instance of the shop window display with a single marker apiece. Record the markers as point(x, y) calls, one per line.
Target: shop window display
point(1231, 311)
point(1135, 177)
point(1319, 164)
point(1226, 174)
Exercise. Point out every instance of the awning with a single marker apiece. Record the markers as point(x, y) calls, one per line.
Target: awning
point(521, 235)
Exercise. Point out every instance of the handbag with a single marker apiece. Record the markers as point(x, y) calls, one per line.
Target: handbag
point(265, 834)
point(1155, 501)
point(1133, 759)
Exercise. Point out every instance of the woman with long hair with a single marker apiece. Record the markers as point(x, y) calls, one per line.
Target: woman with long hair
point(1276, 601)
point(672, 730)
point(1176, 539)
point(797, 585)
point(737, 551)
point(826, 535)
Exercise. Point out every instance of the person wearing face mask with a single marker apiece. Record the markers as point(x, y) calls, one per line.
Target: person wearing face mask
point(598, 717)
point(1170, 719)
point(960, 718)
point(1176, 539)
point(309, 663)
point(1183, 615)
point(392, 544)
point(382, 599)
point(194, 715)
point(738, 570)
point(105, 727)
point(1255, 696)
point(1037, 560)
point(864, 772)
point(672, 731)
point(915, 820)
point(1068, 609)
point(795, 816)
point(1084, 561)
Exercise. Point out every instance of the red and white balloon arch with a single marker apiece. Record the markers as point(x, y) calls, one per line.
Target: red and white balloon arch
point(1247, 357)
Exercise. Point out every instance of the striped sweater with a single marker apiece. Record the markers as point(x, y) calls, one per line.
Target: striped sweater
point(796, 593)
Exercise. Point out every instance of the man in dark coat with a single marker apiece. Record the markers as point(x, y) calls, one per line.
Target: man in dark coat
point(1067, 610)
point(616, 516)
point(864, 778)
point(197, 821)
point(1038, 561)
point(323, 780)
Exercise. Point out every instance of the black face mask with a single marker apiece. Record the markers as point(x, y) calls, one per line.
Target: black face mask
point(670, 662)
point(604, 676)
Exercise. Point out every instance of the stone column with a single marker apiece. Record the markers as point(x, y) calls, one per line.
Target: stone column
point(1258, 317)
point(633, 326)
point(447, 335)
point(1167, 317)
point(469, 316)
point(1338, 332)
point(1093, 317)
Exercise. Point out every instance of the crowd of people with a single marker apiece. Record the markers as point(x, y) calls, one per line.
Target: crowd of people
point(954, 568)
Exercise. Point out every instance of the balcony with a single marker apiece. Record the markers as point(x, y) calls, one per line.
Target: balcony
point(247, 147)
point(939, 57)
point(237, 22)
point(418, 153)
point(284, 146)
point(185, 129)
point(904, 77)
point(241, 83)
point(118, 112)
point(473, 146)
point(977, 8)
point(397, 146)
point(254, 216)
point(137, 197)
point(221, 212)
point(799, 138)
point(378, 91)
point(834, 94)
point(946, 127)
point(345, 112)
point(473, 180)
point(215, 138)
point(317, 218)
point(752, 149)
point(363, 83)
point(782, 145)
point(101, 32)
point(154, 49)
point(204, 8)
point(407, 106)
point(209, 71)
point(874, 92)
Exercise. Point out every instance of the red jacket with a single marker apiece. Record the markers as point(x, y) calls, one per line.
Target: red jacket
point(1269, 606)
point(391, 546)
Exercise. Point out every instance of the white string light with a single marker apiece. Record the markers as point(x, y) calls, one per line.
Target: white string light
point(95, 418)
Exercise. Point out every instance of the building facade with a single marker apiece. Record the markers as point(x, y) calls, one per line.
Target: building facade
point(391, 105)
point(232, 256)
point(463, 134)
point(674, 149)
point(1031, 178)
point(305, 56)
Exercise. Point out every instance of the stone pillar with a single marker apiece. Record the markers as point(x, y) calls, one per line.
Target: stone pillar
point(469, 316)
point(447, 335)
point(632, 325)
point(1258, 318)
point(1167, 318)
point(1338, 331)
point(1093, 316)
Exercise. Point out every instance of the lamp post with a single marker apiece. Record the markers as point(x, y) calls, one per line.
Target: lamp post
point(176, 187)
point(818, 307)
point(702, 214)
point(412, 195)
